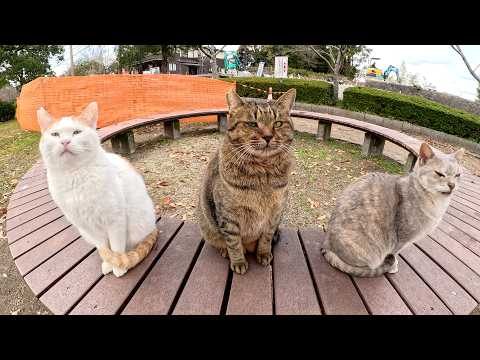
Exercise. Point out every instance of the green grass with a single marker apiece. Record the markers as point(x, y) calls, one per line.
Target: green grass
point(387, 165)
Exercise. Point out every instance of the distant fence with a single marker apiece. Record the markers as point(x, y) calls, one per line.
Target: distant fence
point(120, 97)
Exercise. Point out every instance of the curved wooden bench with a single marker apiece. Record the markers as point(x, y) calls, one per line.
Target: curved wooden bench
point(438, 275)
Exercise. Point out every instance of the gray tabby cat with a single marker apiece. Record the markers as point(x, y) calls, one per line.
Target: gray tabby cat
point(378, 215)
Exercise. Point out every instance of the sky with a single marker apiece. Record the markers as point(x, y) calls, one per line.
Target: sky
point(439, 64)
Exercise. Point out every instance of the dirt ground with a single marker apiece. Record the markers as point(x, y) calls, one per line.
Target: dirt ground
point(173, 171)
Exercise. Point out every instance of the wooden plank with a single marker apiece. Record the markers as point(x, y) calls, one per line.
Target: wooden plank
point(294, 291)
point(465, 190)
point(32, 225)
point(157, 292)
point(465, 202)
point(39, 254)
point(454, 267)
point(461, 252)
point(12, 223)
point(28, 191)
point(109, 294)
point(465, 209)
point(452, 294)
point(71, 288)
point(464, 217)
point(462, 194)
point(419, 297)
point(25, 185)
point(35, 174)
point(337, 292)
point(11, 213)
point(205, 287)
point(469, 186)
point(467, 229)
point(55, 267)
point(460, 236)
point(380, 296)
point(37, 237)
point(27, 199)
point(252, 292)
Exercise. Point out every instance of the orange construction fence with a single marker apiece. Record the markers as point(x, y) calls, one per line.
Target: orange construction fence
point(120, 97)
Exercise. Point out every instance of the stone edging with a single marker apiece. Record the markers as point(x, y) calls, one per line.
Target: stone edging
point(388, 123)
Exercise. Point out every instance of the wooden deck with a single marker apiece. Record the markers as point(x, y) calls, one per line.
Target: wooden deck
point(438, 275)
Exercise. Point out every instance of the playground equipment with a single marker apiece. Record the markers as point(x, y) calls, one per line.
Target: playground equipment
point(231, 61)
point(374, 72)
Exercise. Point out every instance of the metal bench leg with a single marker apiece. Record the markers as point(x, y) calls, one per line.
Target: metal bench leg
point(123, 144)
point(324, 130)
point(372, 145)
point(410, 164)
point(222, 123)
point(172, 129)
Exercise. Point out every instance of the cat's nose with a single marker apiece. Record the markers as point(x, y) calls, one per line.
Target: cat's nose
point(268, 138)
point(65, 142)
point(451, 186)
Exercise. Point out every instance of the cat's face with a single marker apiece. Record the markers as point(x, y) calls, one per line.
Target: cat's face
point(439, 173)
point(71, 140)
point(261, 130)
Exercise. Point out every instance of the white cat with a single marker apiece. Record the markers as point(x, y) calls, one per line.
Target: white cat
point(100, 193)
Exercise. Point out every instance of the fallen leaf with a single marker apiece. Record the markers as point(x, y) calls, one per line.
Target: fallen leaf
point(162, 183)
point(172, 205)
point(3, 211)
point(167, 200)
point(313, 204)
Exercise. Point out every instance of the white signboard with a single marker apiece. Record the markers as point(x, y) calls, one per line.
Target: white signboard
point(281, 66)
point(260, 68)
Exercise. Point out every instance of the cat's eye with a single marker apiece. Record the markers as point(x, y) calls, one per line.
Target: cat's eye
point(55, 134)
point(252, 124)
point(277, 124)
point(458, 175)
point(439, 174)
point(76, 132)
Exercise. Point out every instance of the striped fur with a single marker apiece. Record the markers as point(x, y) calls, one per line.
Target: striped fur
point(131, 258)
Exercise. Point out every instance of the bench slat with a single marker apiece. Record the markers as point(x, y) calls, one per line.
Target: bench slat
point(55, 267)
point(38, 236)
point(454, 267)
point(252, 292)
point(32, 225)
point(39, 254)
point(466, 228)
point(158, 290)
point(204, 290)
point(454, 204)
point(337, 292)
point(28, 191)
point(19, 210)
point(24, 186)
point(27, 199)
point(462, 193)
point(108, 295)
point(420, 298)
point(294, 292)
point(471, 221)
point(29, 215)
point(461, 237)
point(452, 295)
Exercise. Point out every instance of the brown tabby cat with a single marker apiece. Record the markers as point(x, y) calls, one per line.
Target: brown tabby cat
point(244, 191)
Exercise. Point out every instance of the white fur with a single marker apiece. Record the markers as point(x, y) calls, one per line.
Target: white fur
point(99, 192)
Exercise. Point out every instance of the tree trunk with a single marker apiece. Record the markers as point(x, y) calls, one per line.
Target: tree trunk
point(214, 67)
point(335, 88)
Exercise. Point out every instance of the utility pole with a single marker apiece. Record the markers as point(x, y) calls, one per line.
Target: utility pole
point(72, 72)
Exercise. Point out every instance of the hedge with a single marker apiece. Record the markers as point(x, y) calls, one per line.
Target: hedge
point(413, 109)
point(7, 111)
point(308, 91)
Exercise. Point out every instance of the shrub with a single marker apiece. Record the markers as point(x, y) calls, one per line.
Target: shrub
point(7, 111)
point(413, 109)
point(308, 91)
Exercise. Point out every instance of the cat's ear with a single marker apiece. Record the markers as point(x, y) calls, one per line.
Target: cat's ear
point(44, 119)
point(426, 153)
point(233, 100)
point(89, 115)
point(286, 101)
point(459, 154)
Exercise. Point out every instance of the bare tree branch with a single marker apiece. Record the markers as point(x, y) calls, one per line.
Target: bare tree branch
point(460, 52)
point(323, 57)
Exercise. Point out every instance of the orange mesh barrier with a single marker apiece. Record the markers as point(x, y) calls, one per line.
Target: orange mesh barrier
point(120, 97)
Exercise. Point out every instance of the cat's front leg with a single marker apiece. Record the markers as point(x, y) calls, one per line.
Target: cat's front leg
point(230, 229)
point(264, 248)
point(117, 236)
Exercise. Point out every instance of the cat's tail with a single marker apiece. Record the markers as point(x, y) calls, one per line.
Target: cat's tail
point(388, 265)
point(131, 258)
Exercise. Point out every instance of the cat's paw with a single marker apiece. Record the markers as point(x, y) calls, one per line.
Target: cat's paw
point(264, 259)
point(223, 253)
point(106, 268)
point(323, 251)
point(394, 268)
point(119, 271)
point(239, 267)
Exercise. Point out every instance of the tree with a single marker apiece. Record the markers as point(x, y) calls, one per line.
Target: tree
point(129, 56)
point(211, 52)
point(478, 93)
point(458, 49)
point(89, 67)
point(338, 58)
point(20, 64)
